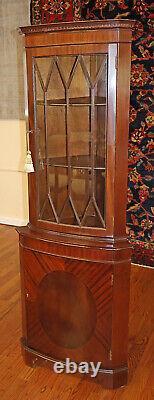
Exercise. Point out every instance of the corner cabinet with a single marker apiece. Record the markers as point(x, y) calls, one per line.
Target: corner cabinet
point(74, 254)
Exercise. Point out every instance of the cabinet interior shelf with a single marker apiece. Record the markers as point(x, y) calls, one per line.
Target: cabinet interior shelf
point(75, 101)
point(76, 162)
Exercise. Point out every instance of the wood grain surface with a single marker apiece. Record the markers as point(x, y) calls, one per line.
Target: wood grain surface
point(18, 381)
point(58, 206)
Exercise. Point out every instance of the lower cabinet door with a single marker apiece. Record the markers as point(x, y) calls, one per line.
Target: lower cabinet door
point(68, 307)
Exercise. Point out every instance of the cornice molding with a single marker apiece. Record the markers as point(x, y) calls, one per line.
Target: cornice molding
point(79, 26)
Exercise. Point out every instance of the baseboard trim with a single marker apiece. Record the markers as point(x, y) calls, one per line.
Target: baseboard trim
point(13, 221)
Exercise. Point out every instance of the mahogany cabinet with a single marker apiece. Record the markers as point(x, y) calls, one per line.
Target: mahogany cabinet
point(74, 254)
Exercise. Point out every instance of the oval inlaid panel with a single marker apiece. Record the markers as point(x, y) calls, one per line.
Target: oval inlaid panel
point(66, 309)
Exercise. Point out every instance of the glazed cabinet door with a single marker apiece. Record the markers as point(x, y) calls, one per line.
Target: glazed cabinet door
point(73, 120)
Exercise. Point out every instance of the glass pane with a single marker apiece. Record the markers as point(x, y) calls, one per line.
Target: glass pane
point(79, 85)
point(40, 133)
point(91, 217)
point(70, 115)
point(42, 189)
point(58, 187)
point(80, 189)
point(56, 89)
point(100, 149)
point(101, 85)
point(95, 64)
point(43, 66)
point(39, 90)
point(100, 190)
point(79, 135)
point(66, 64)
point(67, 216)
point(56, 134)
point(47, 212)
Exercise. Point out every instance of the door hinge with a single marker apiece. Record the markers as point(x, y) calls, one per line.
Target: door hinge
point(112, 279)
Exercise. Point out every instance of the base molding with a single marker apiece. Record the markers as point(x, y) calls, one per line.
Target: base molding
point(108, 378)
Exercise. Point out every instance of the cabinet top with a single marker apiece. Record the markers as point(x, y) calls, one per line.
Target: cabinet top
point(79, 26)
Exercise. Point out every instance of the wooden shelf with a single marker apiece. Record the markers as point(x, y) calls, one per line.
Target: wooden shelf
point(77, 162)
point(74, 101)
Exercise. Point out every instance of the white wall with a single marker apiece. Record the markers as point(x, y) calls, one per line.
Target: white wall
point(13, 180)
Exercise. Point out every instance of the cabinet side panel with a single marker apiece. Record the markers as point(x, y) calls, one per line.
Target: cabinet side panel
point(120, 312)
point(23, 293)
point(122, 128)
